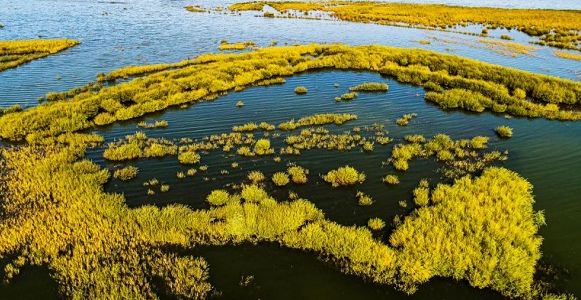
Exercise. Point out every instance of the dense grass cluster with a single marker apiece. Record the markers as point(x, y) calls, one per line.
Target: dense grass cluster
point(370, 87)
point(236, 46)
point(318, 119)
point(208, 76)
point(344, 176)
point(556, 28)
point(15, 53)
point(461, 157)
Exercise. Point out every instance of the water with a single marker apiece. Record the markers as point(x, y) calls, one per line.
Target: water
point(116, 34)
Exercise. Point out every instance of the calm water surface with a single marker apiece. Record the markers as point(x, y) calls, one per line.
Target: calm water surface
point(121, 33)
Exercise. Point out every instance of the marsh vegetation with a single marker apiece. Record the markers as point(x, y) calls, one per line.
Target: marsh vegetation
point(15, 53)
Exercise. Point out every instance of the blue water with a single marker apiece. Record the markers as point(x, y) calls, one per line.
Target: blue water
point(121, 33)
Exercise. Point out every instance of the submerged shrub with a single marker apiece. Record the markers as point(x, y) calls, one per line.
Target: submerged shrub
point(262, 147)
point(189, 157)
point(344, 176)
point(301, 90)
point(256, 177)
point(280, 178)
point(504, 131)
point(370, 87)
point(298, 174)
point(376, 224)
point(391, 179)
point(218, 197)
point(364, 199)
point(126, 173)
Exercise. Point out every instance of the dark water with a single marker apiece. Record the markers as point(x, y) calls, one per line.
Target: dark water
point(116, 34)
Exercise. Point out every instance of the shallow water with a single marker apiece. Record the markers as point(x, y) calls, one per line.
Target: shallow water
point(116, 34)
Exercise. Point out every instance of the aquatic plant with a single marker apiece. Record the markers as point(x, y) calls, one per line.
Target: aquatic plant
point(391, 179)
point(218, 197)
point(181, 175)
point(567, 55)
point(236, 46)
point(298, 174)
point(164, 188)
point(348, 96)
point(262, 147)
point(156, 124)
point(301, 90)
point(239, 104)
point(504, 131)
point(191, 8)
point(403, 121)
point(191, 172)
point(376, 224)
point(211, 75)
point(344, 176)
point(280, 179)
point(126, 173)
point(18, 52)
point(255, 177)
point(188, 157)
point(363, 199)
point(370, 87)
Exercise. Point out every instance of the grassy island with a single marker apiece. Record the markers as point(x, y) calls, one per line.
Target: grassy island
point(15, 53)
point(455, 82)
point(555, 28)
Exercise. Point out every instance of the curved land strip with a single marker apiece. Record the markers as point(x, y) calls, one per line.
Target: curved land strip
point(15, 53)
point(454, 82)
point(55, 214)
point(555, 28)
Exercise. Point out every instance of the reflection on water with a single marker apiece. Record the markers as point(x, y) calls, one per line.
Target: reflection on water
point(116, 34)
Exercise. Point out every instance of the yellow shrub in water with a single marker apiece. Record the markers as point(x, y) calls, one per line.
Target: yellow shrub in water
point(218, 197)
point(344, 176)
point(298, 174)
point(375, 224)
point(262, 147)
point(504, 131)
point(391, 179)
point(256, 177)
point(301, 90)
point(280, 178)
point(188, 157)
point(126, 173)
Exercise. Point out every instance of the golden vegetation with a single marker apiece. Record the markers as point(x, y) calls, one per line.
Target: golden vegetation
point(196, 8)
point(471, 231)
point(567, 55)
point(461, 157)
point(556, 28)
point(117, 252)
point(236, 46)
point(376, 224)
point(208, 76)
point(126, 173)
point(300, 90)
point(370, 87)
point(344, 176)
point(318, 119)
point(15, 53)
point(504, 131)
point(280, 179)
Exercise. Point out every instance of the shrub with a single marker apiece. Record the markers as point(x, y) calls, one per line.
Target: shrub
point(301, 90)
point(376, 224)
point(218, 197)
point(239, 104)
point(126, 173)
point(368, 146)
point(280, 178)
point(370, 87)
point(348, 96)
point(189, 157)
point(164, 188)
point(256, 177)
point(262, 147)
point(504, 131)
point(364, 199)
point(344, 176)
point(122, 152)
point(298, 174)
point(391, 179)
